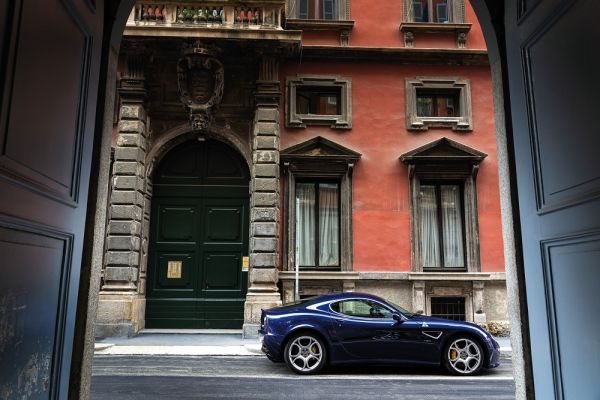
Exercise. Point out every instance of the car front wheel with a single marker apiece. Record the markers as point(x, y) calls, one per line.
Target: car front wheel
point(463, 356)
point(305, 353)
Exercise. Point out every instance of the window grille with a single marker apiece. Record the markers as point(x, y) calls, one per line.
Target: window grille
point(452, 308)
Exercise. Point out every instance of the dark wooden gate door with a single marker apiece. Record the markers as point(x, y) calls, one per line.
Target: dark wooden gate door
point(199, 239)
point(553, 64)
point(50, 52)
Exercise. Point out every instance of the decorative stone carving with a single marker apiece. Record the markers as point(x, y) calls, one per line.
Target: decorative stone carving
point(461, 40)
point(200, 79)
point(409, 39)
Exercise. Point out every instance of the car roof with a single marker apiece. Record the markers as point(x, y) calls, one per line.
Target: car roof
point(347, 295)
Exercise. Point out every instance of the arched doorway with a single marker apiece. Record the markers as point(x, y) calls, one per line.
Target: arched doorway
point(198, 238)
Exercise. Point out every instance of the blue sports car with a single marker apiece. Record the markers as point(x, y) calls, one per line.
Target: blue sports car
point(350, 328)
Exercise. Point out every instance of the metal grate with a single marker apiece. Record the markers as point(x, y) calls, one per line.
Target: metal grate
point(448, 307)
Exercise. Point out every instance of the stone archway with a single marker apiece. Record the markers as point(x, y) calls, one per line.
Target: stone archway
point(181, 133)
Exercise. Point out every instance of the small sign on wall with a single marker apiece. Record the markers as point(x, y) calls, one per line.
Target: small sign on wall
point(245, 263)
point(174, 269)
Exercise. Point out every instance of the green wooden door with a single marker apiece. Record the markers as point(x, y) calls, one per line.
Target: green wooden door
point(199, 238)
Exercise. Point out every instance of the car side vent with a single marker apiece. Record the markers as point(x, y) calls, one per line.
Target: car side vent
point(432, 334)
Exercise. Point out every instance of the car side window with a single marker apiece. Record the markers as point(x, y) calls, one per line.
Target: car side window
point(361, 308)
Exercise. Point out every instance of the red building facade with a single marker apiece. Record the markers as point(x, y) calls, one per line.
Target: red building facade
point(386, 81)
point(364, 135)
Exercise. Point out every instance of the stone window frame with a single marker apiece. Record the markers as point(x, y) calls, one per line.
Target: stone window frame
point(456, 167)
point(332, 167)
point(342, 121)
point(458, 12)
point(462, 123)
point(342, 24)
point(343, 11)
point(440, 290)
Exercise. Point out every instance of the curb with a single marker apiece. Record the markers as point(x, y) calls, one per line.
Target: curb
point(244, 350)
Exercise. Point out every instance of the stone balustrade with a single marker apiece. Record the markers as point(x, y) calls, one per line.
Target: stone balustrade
point(208, 14)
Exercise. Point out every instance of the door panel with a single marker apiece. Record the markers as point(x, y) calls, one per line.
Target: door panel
point(175, 272)
point(221, 271)
point(202, 228)
point(387, 340)
point(223, 224)
point(209, 238)
point(177, 223)
point(552, 69)
point(364, 338)
point(224, 248)
point(50, 53)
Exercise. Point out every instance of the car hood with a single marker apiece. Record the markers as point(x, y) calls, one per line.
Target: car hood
point(443, 321)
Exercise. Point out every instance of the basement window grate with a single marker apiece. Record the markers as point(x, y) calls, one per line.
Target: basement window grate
point(448, 307)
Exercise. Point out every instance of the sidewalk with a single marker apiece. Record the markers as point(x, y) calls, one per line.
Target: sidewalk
point(217, 342)
point(225, 342)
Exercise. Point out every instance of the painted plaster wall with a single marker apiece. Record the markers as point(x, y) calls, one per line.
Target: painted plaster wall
point(377, 26)
point(495, 301)
point(381, 213)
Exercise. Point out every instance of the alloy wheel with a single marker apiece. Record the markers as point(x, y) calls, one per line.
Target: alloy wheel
point(464, 356)
point(305, 354)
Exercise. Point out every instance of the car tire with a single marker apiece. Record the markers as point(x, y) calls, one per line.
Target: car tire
point(463, 356)
point(305, 353)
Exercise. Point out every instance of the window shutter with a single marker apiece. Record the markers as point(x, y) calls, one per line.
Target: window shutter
point(303, 9)
point(329, 9)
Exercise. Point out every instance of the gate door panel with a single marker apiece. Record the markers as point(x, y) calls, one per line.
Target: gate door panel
point(199, 238)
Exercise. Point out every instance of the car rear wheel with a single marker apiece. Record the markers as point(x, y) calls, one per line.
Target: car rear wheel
point(305, 353)
point(463, 356)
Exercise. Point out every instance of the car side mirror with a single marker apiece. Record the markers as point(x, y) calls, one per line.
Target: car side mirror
point(398, 318)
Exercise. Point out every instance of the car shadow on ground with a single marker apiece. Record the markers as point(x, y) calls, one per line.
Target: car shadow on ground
point(504, 370)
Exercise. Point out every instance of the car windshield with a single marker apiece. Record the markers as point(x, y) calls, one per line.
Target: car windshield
point(402, 310)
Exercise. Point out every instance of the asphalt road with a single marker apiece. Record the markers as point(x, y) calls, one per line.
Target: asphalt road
point(163, 377)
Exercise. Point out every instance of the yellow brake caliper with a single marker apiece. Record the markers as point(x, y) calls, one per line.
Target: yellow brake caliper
point(453, 355)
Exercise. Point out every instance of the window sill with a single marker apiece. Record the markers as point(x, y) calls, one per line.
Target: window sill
point(432, 27)
point(343, 27)
point(445, 270)
point(424, 123)
point(319, 275)
point(319, 24)
point(454, 276)
point(459, 29)
point(334, 121)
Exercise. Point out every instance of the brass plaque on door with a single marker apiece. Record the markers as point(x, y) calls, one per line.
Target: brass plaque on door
point(245, 263)
point(174, 269)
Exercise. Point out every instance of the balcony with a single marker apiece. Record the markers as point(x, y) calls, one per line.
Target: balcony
point(229, 19)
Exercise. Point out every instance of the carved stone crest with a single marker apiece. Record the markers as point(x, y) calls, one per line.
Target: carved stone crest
point(200, 79)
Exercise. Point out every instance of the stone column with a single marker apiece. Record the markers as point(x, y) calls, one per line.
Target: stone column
point(121, 307)
point(348, 286)
point(478, 307)
point(264, 203)
point(419, 306)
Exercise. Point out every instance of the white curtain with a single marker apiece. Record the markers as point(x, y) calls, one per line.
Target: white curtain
point(430, 246)
point(305, 224)
point(452, 225)
point(329, 225)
